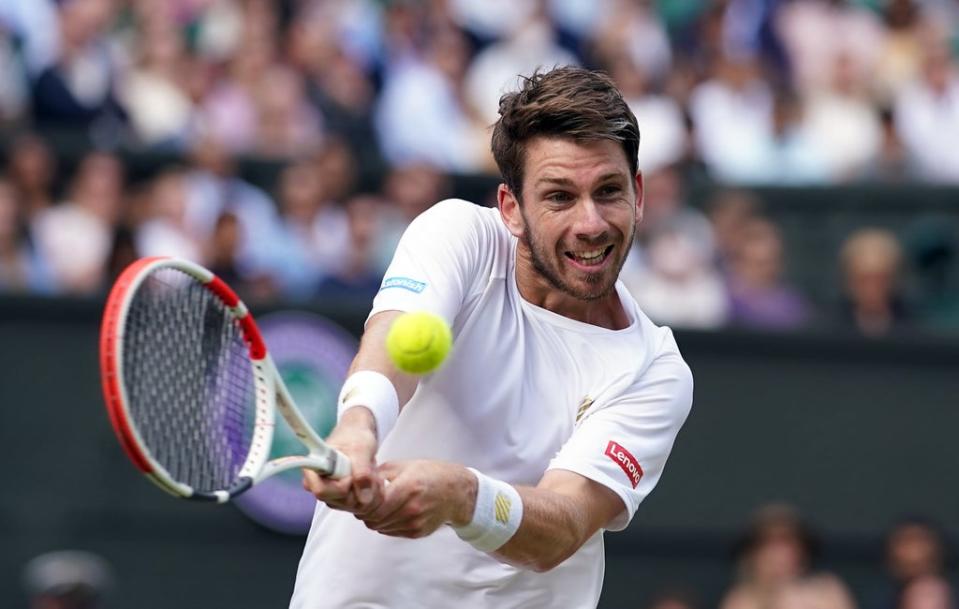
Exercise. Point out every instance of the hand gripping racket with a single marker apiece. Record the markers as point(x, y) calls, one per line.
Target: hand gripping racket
point(190, 388)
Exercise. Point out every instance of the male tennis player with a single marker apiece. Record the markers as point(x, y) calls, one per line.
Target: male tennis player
point(554, 415)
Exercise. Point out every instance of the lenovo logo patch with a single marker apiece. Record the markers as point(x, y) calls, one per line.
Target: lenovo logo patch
point(626, 461)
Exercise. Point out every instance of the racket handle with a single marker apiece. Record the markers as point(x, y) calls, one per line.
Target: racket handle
point(341, 465)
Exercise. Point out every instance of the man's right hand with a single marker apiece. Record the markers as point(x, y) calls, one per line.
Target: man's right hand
point(362, 491)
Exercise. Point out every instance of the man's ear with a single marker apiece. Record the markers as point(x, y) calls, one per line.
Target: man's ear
point(640, 190)
point(509, 211)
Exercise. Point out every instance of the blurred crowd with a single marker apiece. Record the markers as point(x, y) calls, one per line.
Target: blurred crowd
point(371, 107)
point(778, 564)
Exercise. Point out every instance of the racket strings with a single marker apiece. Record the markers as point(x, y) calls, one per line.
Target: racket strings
point(187, 370)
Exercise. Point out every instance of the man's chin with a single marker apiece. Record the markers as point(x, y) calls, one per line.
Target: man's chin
point(592, 288)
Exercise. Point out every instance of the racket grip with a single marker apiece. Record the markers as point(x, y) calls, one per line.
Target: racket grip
point(341, 465)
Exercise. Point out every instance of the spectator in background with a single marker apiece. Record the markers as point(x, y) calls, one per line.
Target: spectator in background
point(671, 270)
point(914, 552)
point(165, 231)
point(31, 168)
point(223, 258)
point(229, 111)
point(421, 115)
point(734, 105)
point(403, 24)
point(928, 592)
point(337, 169)
point(408, 191)
point(578, 22)
point(900, 56)
point(68, 579)
point(729, 213)
point(287, 125)
point(789, 155)
point(213, 188)
point(337, 82)
point(493, 20)
point(873, 303)
point(21, 267)
point(155, 89)
point(665, 204)
point(361, 270)
point(892, 163)
point(34, 26)
point(529, 43)
point(635, 32)
point(842, 120)
point(816, 32)
point(817, 592)
point(78, 89)
point(759, 296)
point(75, 236)
point(316, 231)
point(927, 111)
point(774, 567)
point(660, 117)
point(222, 248)
point(677, 285)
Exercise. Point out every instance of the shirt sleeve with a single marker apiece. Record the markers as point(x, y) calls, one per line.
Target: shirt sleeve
point(624, 444)
point(437, 262)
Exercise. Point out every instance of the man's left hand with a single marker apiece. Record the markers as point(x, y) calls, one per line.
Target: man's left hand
point(422, 496)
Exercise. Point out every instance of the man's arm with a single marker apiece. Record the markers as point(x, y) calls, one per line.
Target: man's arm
point(355, 434)
point(560, 513)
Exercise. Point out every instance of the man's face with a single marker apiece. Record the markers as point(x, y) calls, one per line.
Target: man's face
point(580, 205)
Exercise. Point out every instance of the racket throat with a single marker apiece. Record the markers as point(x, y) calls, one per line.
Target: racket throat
point(325, 464)
point(241, 485)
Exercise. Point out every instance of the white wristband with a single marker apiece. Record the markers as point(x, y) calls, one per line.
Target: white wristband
point(374, 391)
point(497, 516)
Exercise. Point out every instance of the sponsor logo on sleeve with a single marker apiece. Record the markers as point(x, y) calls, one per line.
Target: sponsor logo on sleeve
point(404, 283)
point(625, 461)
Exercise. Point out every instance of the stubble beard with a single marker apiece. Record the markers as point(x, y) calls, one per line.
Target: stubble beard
point(539, 254)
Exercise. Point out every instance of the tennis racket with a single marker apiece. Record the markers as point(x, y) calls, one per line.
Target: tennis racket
point(190, 388)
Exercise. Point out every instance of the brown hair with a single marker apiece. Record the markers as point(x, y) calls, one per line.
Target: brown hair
point(566, 102)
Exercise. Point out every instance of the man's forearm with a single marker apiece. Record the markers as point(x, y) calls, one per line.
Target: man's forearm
point(372, 355)
point(559, 515)
point(554, 526)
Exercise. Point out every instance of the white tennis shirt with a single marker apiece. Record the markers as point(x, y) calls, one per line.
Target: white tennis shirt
point(523, 391)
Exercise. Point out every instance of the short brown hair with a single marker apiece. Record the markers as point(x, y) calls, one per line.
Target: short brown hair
point(568, 102)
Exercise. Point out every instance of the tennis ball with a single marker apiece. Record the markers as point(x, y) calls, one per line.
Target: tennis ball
point(419, 342)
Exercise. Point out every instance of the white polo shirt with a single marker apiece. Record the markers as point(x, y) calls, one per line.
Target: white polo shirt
point(523, 391)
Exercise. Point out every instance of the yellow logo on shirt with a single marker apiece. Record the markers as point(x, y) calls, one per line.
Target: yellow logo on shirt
point(503, 505)
point(583, 407)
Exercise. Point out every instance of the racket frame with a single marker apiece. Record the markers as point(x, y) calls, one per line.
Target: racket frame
point(271, 393)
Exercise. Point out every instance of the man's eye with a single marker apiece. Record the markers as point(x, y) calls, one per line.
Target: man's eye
point(559, 197)
point(609, 191)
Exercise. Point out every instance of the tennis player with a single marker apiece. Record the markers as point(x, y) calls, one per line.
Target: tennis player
point(490, 482)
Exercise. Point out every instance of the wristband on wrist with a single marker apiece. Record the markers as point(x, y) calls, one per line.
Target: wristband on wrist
point(374, 391)
point(496, 517)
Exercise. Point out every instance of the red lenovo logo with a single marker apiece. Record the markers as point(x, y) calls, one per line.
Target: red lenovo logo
point(626, 461)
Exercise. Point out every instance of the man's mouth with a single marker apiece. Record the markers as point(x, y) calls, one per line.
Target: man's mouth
point(591, 257)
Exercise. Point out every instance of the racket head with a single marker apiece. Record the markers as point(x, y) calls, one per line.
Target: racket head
point(185, 378)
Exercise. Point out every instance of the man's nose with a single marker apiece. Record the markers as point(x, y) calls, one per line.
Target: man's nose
point(590, 222)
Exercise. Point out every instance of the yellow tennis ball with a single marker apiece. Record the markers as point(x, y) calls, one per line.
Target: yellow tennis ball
point(419, 342)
